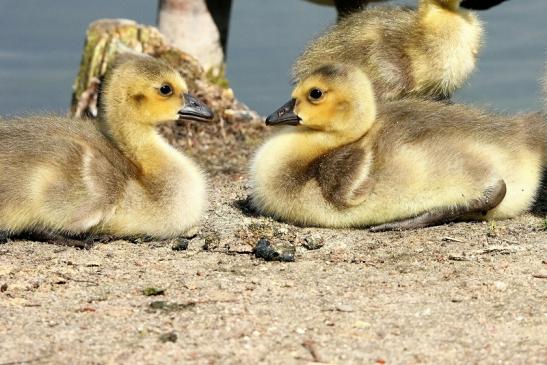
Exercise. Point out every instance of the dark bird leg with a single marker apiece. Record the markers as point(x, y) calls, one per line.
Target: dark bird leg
point(480, 4)
point(346, 7)
point(220, 11)
point(82, 241)
point(491, 198)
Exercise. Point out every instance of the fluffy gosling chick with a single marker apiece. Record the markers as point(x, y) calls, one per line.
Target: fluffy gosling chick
point(66, 176)
point(428, 52)
point(341, 160)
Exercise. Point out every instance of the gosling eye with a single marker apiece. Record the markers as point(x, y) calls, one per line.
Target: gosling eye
point(166, 90)
point(315, 95)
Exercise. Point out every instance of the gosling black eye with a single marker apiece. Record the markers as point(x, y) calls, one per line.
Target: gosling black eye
point(316, 94)
point(166, 90)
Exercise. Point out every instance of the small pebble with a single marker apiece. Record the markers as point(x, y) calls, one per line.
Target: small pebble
point(458, 258)
point(268, 252)
point(500, 285)
point(361, 324)
point(151, 291)
point(169, 337)
point(158, 304)
point(4, 287)
point(169, 307)
point(313, 242)
point(344, 308)
point(181, 245)
point(282, 230)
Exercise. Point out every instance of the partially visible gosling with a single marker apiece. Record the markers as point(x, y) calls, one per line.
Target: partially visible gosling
point(64, 176)
point(428, 52)
point(341, 160)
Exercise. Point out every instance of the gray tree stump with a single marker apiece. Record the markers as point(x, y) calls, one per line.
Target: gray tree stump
point(233, 123)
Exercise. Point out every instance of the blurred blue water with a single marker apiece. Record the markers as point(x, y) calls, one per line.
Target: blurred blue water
point(41, 43)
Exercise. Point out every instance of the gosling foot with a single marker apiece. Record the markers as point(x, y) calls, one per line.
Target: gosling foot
point(492, 197)
point(82, 241)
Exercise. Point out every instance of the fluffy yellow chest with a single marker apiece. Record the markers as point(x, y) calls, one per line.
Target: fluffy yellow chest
point(285, 182)
point(167, 200)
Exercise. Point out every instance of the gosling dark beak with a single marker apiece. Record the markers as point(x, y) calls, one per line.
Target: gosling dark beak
point(284, 115)
point(194, 109)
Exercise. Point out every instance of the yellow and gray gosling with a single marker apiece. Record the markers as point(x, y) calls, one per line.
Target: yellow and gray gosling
point(117, 177)
point(341, 160)
point(426, 53)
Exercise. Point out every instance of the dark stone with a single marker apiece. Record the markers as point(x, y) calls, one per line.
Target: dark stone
point(168, 307)
point(181, 245)
point(246, 206)
point(158, 304)
point(152, 292)
point(268, 252)
point(169, 337)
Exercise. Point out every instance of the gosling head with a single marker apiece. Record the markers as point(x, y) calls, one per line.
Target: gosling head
point(144, 90)
point(336, 99)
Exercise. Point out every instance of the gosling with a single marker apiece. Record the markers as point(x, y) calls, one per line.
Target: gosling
point(428, 53)
point(341, 160)
point(69, 177)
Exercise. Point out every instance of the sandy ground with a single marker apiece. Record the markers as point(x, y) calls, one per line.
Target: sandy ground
point(464, 293)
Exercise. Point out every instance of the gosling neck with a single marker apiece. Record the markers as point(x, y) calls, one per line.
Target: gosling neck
point(310, 144)
point(428, 5)
point(140, 142)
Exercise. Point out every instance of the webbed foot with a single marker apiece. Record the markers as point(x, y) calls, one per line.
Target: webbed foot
point(491, 198)
point(82, 241)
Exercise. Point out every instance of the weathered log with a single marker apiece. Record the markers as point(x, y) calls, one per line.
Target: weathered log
point(105, 39)
point(216, 143)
